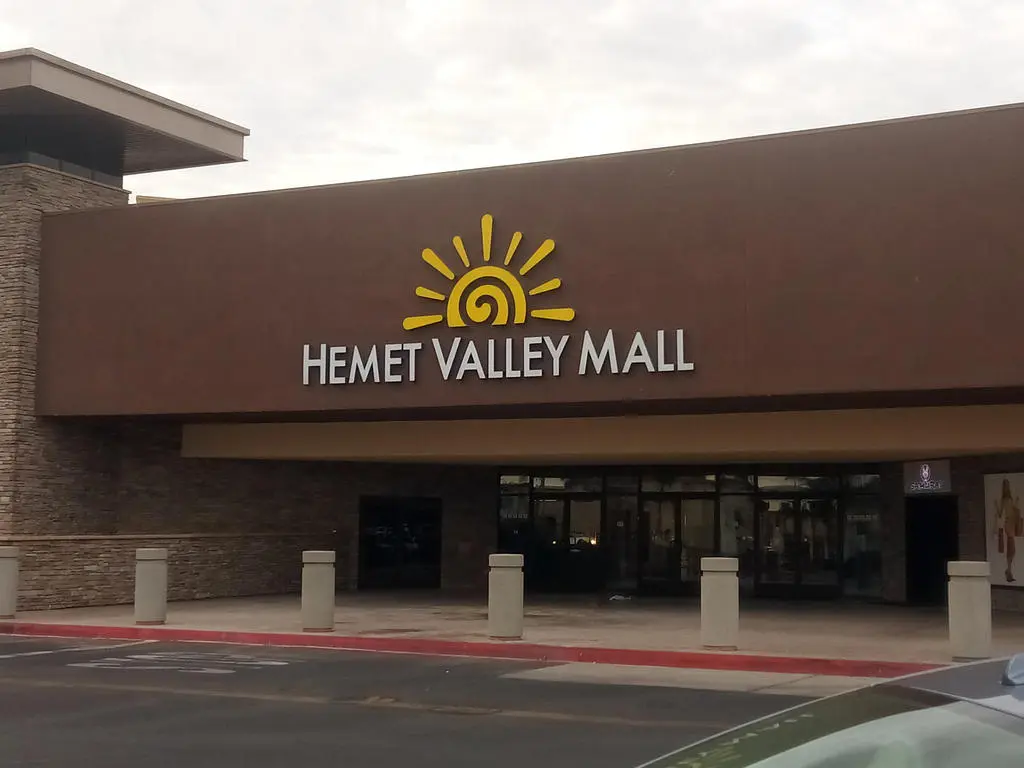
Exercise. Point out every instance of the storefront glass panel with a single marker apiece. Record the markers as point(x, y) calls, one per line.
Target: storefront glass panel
point(736, 538)
point(778, 561)
point(819, 542)
point(797, 483)
point(568, 484)
point(815, 534)
point(670, 482)
point(862, 547)
point(698, 535)
point(514, 526)
point(660, 554)
point(736, 483)
point(584, 563)
point(549, 521)
point(627, 484)
point(864, 483)
point(621, 543)
point(515, 483)
point(585, 522)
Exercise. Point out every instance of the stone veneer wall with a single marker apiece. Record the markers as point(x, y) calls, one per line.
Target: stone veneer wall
point(76, 571)
point(52, 476)
point(231, 528)
point(46, 472)
point(80, 498)
point(237, 528)
point(894, 534)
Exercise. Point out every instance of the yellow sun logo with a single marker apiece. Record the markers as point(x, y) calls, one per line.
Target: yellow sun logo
point(499, 299)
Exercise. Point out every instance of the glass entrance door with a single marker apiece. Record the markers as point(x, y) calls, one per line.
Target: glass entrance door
point(798, 547)
point(660, 550)
point(777, 561)
point(621, 543)
point(820, 558)
point(567, 551)
point(584, 564)
point(675, 533)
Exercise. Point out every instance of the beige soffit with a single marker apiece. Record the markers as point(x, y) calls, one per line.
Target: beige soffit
point(161, 134)
point(862, 435)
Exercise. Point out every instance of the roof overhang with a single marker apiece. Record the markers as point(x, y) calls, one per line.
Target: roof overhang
point(156, 134)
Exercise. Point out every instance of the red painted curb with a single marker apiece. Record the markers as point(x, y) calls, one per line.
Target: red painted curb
point(507, 650)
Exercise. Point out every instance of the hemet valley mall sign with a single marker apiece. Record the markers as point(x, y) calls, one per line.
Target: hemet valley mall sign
point(496, 293)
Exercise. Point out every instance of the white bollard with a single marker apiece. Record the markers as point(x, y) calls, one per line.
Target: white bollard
point(970, 610)
point(719, 602)
point(505, 597)
point(318, 589)
point(8, 582)
point(150, 585)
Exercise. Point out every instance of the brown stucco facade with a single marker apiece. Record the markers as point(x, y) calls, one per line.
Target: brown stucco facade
point(818, 264)
point(833, 304)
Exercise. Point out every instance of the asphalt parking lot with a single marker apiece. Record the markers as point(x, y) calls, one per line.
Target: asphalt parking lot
point(82, 703)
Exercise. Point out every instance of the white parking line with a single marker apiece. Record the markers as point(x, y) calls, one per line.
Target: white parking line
point(701, 679)
point(77, 649)
point(187, 661)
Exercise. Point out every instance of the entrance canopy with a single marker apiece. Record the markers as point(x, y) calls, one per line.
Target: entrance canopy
point(64, 116)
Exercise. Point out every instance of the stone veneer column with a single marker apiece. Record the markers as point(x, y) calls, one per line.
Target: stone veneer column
point(53, 478)
point(894, 535)
point(969, 487)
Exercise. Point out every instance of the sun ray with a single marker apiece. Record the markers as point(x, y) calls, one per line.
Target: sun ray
point(461, 248)
point(551, 285)
point(516, 239)
point(437, 263)
point(419, 321)
point(488, 293)
point(562, 314)
point(486, 229)
point(426, 293)
point(539, 255)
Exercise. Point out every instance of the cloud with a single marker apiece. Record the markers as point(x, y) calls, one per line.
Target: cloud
point(345, 90)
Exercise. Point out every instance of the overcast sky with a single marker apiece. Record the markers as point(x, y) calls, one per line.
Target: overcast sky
point(339, 90)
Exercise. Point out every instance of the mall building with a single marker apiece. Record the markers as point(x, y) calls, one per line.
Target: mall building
point(801, 350)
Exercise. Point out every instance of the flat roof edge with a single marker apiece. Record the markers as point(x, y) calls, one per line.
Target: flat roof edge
point(34, 54)
point(609, 155)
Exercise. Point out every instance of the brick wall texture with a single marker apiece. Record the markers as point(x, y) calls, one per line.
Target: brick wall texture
point(78, 499)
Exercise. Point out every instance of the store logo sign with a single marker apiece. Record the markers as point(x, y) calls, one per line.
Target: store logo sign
point(488, 293)
point(494, 291)
point(926, 477)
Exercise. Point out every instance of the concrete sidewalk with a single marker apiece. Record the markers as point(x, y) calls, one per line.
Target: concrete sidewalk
point(797, 638)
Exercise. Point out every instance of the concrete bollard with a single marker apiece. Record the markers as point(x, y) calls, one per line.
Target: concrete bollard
point(8, 582)
point(318, 588)
point(150, 585)
point(970, 610)
point(505, 597)
point(719, 602)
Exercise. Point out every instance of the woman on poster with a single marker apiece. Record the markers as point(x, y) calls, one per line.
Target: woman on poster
point(1008, 526)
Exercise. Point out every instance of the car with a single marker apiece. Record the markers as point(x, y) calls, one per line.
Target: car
point(969, 715)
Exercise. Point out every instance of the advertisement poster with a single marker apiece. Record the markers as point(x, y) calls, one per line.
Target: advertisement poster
point(1004, 528)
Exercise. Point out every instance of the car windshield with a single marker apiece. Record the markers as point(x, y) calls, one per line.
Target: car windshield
point(886, 726)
